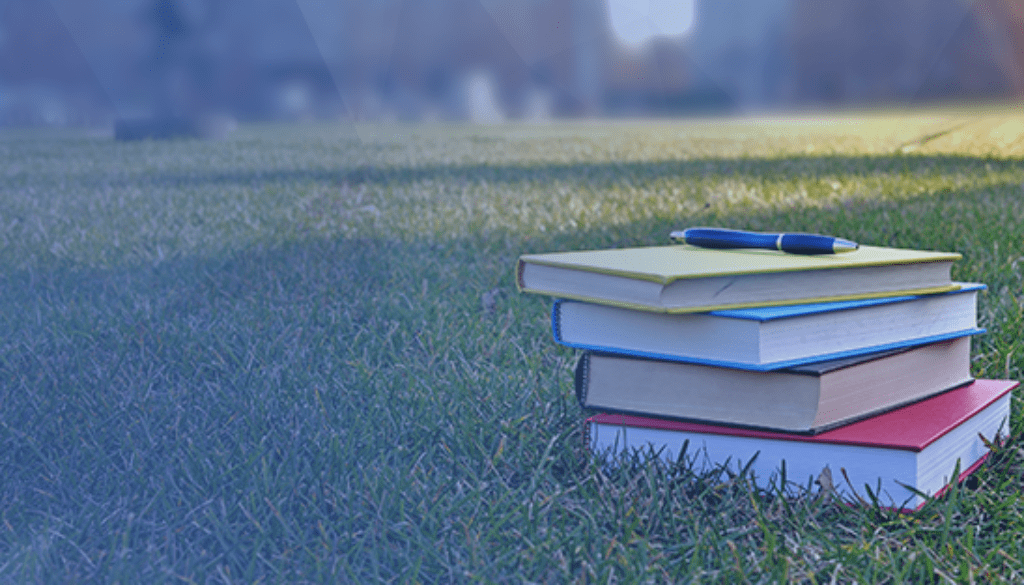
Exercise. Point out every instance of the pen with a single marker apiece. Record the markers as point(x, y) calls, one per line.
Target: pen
point(792, 243)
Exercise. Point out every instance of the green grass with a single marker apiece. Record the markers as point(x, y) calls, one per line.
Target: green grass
point(299, 355)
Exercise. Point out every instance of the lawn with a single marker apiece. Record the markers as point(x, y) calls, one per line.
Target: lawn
point(298, 354)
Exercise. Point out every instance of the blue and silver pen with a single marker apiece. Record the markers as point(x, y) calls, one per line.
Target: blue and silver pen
point(792, 243)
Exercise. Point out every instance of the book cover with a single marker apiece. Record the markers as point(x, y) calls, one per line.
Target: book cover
point(683, 278)
point(769, 338)
point(918, 445)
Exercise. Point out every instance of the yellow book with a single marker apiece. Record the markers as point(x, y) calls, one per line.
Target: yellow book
point(682, 278)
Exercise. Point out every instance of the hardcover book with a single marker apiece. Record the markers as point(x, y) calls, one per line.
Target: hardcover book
point(770, 338)
point(684, 278)
point(807, 399)
point(897, 454)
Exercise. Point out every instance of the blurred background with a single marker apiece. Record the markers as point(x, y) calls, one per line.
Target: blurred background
point(192, 65)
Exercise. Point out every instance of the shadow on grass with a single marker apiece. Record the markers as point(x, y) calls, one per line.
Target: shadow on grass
point(181, 407)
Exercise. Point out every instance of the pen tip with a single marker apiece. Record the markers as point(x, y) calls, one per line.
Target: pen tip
point(840, 246)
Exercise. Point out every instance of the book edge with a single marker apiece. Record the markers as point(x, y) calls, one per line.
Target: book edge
point(586, 436)
point(708, 308)
point(809, 432)
point(546, 259)
point(845, 305)
point(774, 366)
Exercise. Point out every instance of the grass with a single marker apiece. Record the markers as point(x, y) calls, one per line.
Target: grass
point(298, 355)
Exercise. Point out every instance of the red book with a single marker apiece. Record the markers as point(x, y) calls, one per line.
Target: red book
point(918, 445)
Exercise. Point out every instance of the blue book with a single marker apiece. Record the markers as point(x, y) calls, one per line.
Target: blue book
point(770, 338)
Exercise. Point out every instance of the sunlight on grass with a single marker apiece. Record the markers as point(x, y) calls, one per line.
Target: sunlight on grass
point(112, 203)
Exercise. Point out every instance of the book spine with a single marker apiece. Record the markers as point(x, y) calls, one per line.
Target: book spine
point(582, 379)
point(588, 446)
point(520, 267)
point(556, 320)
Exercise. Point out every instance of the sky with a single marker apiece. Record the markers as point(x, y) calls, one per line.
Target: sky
point(637, 21)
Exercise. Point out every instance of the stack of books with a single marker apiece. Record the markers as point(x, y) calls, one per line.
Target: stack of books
point(857, 362)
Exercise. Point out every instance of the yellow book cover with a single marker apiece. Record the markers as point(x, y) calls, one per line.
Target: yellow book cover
point(683, 278)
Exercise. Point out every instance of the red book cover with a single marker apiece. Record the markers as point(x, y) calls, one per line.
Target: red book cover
point(910, 428)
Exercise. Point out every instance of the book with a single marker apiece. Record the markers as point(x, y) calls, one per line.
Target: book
point(806, 399)
point(683, 278)
point(917, 446)
point(769, 338)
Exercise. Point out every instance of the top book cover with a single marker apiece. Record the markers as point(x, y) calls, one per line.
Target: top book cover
point(684, 278)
